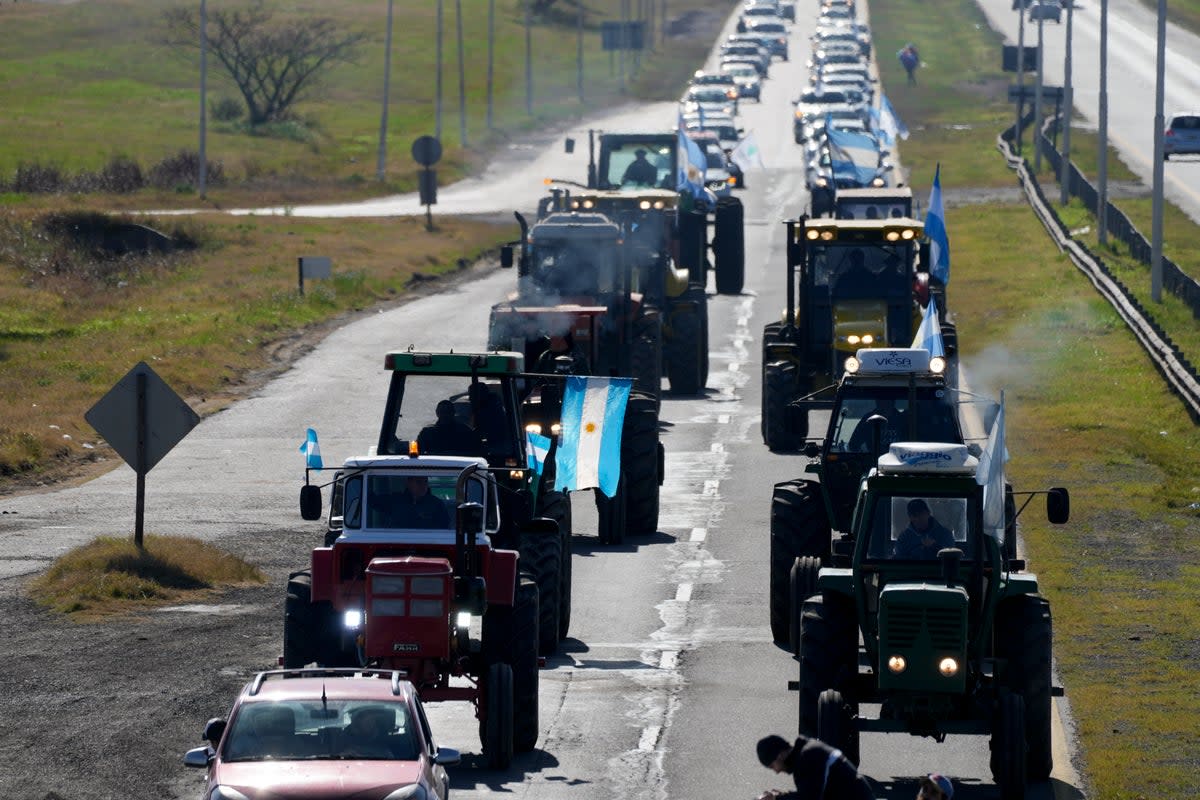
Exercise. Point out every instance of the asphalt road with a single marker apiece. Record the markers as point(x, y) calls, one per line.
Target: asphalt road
point(669, 675)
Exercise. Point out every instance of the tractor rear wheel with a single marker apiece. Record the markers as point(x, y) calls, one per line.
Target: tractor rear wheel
point(689, 352)
point(805, 571)
point(799, 527)
point(770, 336)
point(541, 560)
point(729, 244)
point(835, 724)
point(780, 379)
point(702, 345)
point(1008, 746)
point(523, 658)
point(497, 724)
point(299, 622)
point(828, 653)
point(646, 354)
point(1024, 638)
point(610, 515)
point(556, 505)
point(693, 241)
point(640, 465)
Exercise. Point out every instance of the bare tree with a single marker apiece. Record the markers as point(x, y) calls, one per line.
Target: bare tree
point(272, 64)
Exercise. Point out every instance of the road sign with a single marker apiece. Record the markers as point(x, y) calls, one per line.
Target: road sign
point(1009, 58)
point(163, 421)
point(426, 151)
point(622, 35)
point(1028, 92)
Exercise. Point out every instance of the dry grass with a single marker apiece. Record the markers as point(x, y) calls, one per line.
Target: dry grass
point(111, 575)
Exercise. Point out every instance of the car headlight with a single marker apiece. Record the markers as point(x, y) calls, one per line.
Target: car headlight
point(226, 793)
point(413, 791)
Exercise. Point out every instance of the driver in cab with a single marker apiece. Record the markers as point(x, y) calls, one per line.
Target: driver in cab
point(640, 170)
point(924, 536)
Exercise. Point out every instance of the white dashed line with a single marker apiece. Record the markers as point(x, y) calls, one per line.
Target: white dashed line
point(683, 593)
point(649, 739)
point(722, 419)
point(698, 534)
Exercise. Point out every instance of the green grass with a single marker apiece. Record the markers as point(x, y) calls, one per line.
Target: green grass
point(111, 575)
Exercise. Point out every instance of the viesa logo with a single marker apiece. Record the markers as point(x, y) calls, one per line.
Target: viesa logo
point(892, 359)
point(405, 647)
point(925, 457)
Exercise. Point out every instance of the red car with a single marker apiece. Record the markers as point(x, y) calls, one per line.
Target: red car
point(324, 733)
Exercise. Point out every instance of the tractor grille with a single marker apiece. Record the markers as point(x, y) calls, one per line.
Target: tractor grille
point(944, 626)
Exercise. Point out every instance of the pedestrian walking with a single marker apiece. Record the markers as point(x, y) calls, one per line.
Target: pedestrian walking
point(910, 59)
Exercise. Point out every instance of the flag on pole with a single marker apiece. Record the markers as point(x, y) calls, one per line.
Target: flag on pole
point(589, 450)
point(539, 448)
point(990, 475)
point(747, 154)
point(691, 166)
point(935, 229)
point(853, 156)
point(311, 450)
point(929, 335)
point(889, 122)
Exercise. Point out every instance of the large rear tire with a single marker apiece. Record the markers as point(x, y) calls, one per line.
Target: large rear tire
point(640, 465)
point(828, 653)
point(1024, 639)
point(556, 505)
point(780, 379)
point(771, 335)
point(647, 354)
point(689, 352)
point(523, 658)
point(541, 560)
point(299, 622)
point(497, 724)
point(799, 527)
point(729, 244)
point(1008, 746)
point(610, 516)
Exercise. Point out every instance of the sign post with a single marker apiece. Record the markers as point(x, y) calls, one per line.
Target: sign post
point(159, 421)
point(427, 151)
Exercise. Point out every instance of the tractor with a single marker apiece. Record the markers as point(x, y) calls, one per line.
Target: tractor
point(955, 637)
point(811, 519)
point(576, 311)
point(412, 578)
point(493, 396)
point(690, 218)
point(850, 284)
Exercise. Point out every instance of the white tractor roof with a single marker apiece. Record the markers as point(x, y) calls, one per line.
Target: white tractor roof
point(879, 360)
point(924, 458)
point(423, 464)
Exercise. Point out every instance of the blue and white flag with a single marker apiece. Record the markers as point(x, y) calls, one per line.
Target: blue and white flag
point(888, 122)
point(929, 335)
point(935, 229)
point(311, 450)
point(589, 450)
point(539, 448)
point(691, 166)
point(990, 475)
point(853, 156)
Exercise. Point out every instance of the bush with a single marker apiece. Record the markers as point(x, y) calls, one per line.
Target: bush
point(183, 169)
point(38, 179)
point(226, 109)
point(122, 175)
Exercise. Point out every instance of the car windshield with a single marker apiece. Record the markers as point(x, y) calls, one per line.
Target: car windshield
point(708, 94)
point(822, 97)
point(321, 729)
point(915, 528)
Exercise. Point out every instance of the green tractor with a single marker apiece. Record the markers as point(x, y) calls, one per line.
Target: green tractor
point(622, 159)
point(811, 517)
point(576, 312)
point(955, 637)
point(850, 284)
point(493, 395)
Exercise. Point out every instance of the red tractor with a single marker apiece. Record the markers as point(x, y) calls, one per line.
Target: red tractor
point(412, 579)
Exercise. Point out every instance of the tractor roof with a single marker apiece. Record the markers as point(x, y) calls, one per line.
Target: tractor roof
point(926, 458)
point(424, 363)
point(904, 362)
point(424, 465)
point(894, 230)
point(574, 225)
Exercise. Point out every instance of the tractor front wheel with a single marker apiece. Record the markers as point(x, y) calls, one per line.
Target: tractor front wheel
point(799, 527)
point(828, 653)
point(1008, 746)
point(1024, 639)
point(646, 354)
point(610, 515)
point(640, 465)
point(835, 724)
point(541, 560)
point(299, 628)
point(805, 571)
point(523, 659)
point(729, 243)
point(556, 505)
point(689, 352)
point(497, 724)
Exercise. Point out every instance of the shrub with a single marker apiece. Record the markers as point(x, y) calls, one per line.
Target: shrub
point(182, 169)
point(226, 109)
point(38, 179)
point(122, 175)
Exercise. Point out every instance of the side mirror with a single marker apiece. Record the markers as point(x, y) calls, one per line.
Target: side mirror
point(569, 147)
point(198, 757)
point(310, 502)
point(1058, 505)
point(506, 256)
point(470, 518)
point(796, 418)
point(812, 449)
point(214, 729)
point(446, 757)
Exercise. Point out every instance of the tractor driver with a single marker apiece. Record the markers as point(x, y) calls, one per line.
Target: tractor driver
point(562, 345)
point(640, 171)
point(418, 508)
point(448, 436)
point(924, 536)
point(895, 430)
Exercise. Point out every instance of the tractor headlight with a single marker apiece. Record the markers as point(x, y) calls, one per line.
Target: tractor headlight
point(556, 429)
point(812, 234)
point(533, 427)
point(589, 203)
point(659, 204)
point(937, 365)
point(868, 339)
point(463, 620)
point(822, 182)
point(574, 204)
point(516, 474)
point(891, 236)
point(851, 365)
point(897, 664)
point(948, 667)
point(852, 339)
point(877, 182)
point(644, 205)
point(352, 620)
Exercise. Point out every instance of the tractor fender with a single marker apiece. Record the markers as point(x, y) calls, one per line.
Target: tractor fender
point(542, 525)
point(501, 577)
point(323, 581)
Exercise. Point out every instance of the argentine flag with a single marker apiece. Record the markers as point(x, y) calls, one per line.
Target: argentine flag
point(311, 450)
point(539, 448)
point(852, 155)
point(589, 450)
point(990, 475)
point(929, 335)
point(889, 123)
point(691, 166)
point(935, 229)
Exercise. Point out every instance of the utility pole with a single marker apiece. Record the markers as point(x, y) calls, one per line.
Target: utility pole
point(1037, 100)
point(579, 52)
point(381, 163)
point(462, 77)
point(1064, 176)
point(1102, 169)
point(438, 90)
point(491, 59)
point(1156, 241)
point(1020, 70)
point(529, 57)
point(202, 176)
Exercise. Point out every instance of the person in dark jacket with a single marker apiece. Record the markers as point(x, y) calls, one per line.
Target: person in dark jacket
point(448, 436)
point(818, 770)
point(924, 536)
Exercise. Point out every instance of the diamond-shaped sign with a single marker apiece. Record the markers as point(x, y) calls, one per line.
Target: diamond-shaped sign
point(163, 421)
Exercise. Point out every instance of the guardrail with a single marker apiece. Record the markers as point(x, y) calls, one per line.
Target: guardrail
point(1179, 373)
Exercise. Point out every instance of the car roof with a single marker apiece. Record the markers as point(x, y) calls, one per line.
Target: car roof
point(334, 684)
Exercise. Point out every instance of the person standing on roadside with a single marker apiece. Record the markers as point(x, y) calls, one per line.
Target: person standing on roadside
point(910, 59)
point(818, 770)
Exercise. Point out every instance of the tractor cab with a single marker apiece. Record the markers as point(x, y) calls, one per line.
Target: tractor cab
point(880, 202)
